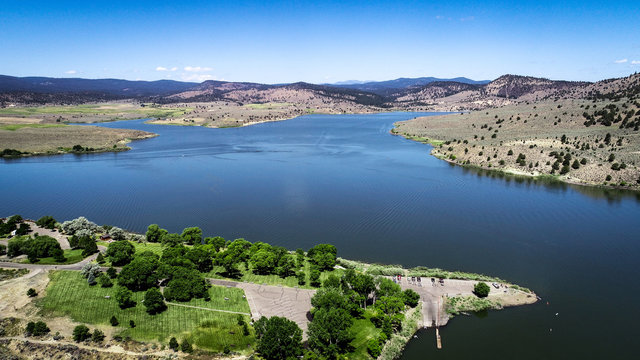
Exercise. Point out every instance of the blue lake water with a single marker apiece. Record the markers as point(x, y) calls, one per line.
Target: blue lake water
point(345, 180)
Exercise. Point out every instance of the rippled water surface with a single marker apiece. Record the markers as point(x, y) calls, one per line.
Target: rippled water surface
point(345, 180)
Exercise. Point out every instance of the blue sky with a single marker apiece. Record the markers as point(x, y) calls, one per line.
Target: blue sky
point(321, 41)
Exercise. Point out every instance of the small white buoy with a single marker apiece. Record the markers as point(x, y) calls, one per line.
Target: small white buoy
point(557, 314)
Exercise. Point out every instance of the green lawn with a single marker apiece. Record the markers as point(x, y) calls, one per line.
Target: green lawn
point(155, 248)
point(364, 330)
point(72, 257)
point(69, 294)
point(89, 109)
point(14, 127)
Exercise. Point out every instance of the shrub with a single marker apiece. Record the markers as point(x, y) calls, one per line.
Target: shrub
point(38, 328)
point(114, 321)
point(98, 336)
point(112, 272)
point(71, 227)
point(173, 344)
point(32, 292)
point(104, 281)
point(81, 333)
point(481, 289)
point(186, 346)
point(124, 297)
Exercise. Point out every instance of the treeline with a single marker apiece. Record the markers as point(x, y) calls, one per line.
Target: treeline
point(180, 270)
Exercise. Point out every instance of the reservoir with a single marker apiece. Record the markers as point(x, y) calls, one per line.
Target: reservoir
point(344, 180)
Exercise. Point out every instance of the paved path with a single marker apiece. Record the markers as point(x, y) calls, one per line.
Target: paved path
point(76, 266)
point(268, 300)
point(208, 309)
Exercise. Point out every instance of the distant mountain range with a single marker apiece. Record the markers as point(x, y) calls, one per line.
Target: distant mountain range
point(389, 86)
point(115, 87)
point(417, 93)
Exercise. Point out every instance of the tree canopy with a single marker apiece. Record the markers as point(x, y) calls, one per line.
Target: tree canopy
point(278, 338)
point(120, 252)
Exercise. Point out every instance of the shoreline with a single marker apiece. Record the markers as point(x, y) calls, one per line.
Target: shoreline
point(508, 172)
point(94, 151)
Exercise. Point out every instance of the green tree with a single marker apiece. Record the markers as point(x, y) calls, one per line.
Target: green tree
point(314, 277)
point(81, 333)
point(217, 242)
point(47, 222)
point(324, 256)
point(154, 301)
point(155, 233)
point(124, 297)
point(132, 324)
point(263, 261)
point(114, 321)
point(278, 338)
point(139, 274)
point(192, 235)
point(374, 348)
point(171, 239)
point(32, 292)
point(329, 331)
point(410, 298)
point(88, 246)
point(120, 252)
point(481, 289)
point(200, 257)
point(286, 266)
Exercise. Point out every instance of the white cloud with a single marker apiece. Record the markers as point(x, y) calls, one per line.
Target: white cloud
point(622, 61)
point(197, 68)
point(71, 72)
point(174, 68)
point(197, 77)
point(161, 68)
point(468, 18)
point(635, 62)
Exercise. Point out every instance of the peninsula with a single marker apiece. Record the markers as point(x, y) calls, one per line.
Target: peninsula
point(79, 287)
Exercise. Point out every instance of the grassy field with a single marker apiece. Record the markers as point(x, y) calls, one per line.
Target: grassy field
point(97, 109)
point(457, 304)
point(155, 248)
point(68, 294)
point(14, 127)
point(72, 255)
point(364, 330)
